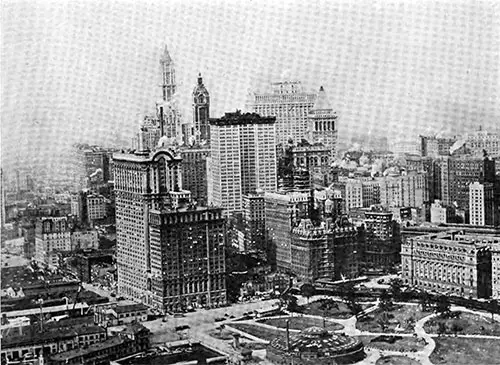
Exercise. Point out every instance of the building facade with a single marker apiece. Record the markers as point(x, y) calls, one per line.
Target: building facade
point(194, 172)
point(170, 252)
point(96, 207)
point(283, 211)
point(254, 223)
point(382, 247)
point(290, 105)
point(52, 235)
point(449, 263)
point(328, 250)
point(323, 123)
point(242, 158)
point(187, 258)
point(457, 173)
point(482, 204)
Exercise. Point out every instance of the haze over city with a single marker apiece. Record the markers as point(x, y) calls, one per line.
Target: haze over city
point(88, 71)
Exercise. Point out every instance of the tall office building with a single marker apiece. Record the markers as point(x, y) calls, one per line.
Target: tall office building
point(457, 173)
point(52, 235)
point(242, 158)
point(254, 223)
point(382, 247)
point(194, 171)
point(162, 238)
point(290, 105)
point(201, 112)
point(482, 204)
point(283, 212)
point(323, 123)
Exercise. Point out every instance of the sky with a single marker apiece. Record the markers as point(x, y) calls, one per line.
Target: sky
point(88, 71)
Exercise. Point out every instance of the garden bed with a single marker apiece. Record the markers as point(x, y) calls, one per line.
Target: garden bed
point(393, 343)
point(336, 309)
point(301, 323)
point(465, 351)
point(264, 333)
point(465, 324)
point(397, 360)
point(401, 318)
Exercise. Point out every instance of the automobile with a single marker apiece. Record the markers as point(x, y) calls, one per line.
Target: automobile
point(113, 295)
point(380, 281)
point(179, 315)
point(120, 298)
point(219, 319)
point(231, 316)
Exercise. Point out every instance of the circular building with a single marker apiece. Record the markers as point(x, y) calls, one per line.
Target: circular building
point(316, 346)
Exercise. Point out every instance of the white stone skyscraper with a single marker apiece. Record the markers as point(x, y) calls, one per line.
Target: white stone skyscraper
point(481, 204)
point(242, 158)
point(290, 104)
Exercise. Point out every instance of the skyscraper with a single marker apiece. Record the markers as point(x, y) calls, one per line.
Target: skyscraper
point(457, 173)
point(242, 158)
point(322, 123)
point(290, 105)
point(163, 239)
point(201, 111)
point(194, 171)
point(482, 204)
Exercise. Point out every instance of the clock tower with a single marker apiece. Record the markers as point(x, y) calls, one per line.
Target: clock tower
point(201, 112)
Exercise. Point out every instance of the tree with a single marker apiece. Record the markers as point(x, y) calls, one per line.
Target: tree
point(396, 285)
point(424, 300)
point(443, 306)
point(441, 330)
point(383, 321)
point(307, 290)
point(385, 301)
point(456, 327)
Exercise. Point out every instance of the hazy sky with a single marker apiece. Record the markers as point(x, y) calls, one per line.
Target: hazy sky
point(87, 71)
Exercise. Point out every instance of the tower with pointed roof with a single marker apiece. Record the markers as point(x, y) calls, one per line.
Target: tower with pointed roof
point(168, 75)
point(323, 122)
point(166, 109)
point(201, 111)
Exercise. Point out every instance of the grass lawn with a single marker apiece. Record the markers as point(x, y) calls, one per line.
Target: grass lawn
point(263, 333)
point(469, 323)
point(398, 317)
point(466, 351)
point(397, 360)
point(342, 312)
point(403, 344)
point(300, 323)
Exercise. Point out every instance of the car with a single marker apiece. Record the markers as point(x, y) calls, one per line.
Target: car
point(381, 281)
point(113, 295)
point(179, 315)
point(219, 319)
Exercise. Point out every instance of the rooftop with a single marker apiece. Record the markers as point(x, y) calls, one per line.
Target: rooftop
point(109, 343)
point(130, 308)
point(238, 118)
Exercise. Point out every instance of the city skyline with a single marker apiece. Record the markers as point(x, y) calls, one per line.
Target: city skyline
point(89, 71)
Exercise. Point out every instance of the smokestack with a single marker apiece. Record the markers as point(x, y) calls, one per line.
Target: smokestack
point(288, 335)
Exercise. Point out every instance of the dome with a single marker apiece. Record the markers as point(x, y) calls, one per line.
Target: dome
point(320, 344)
